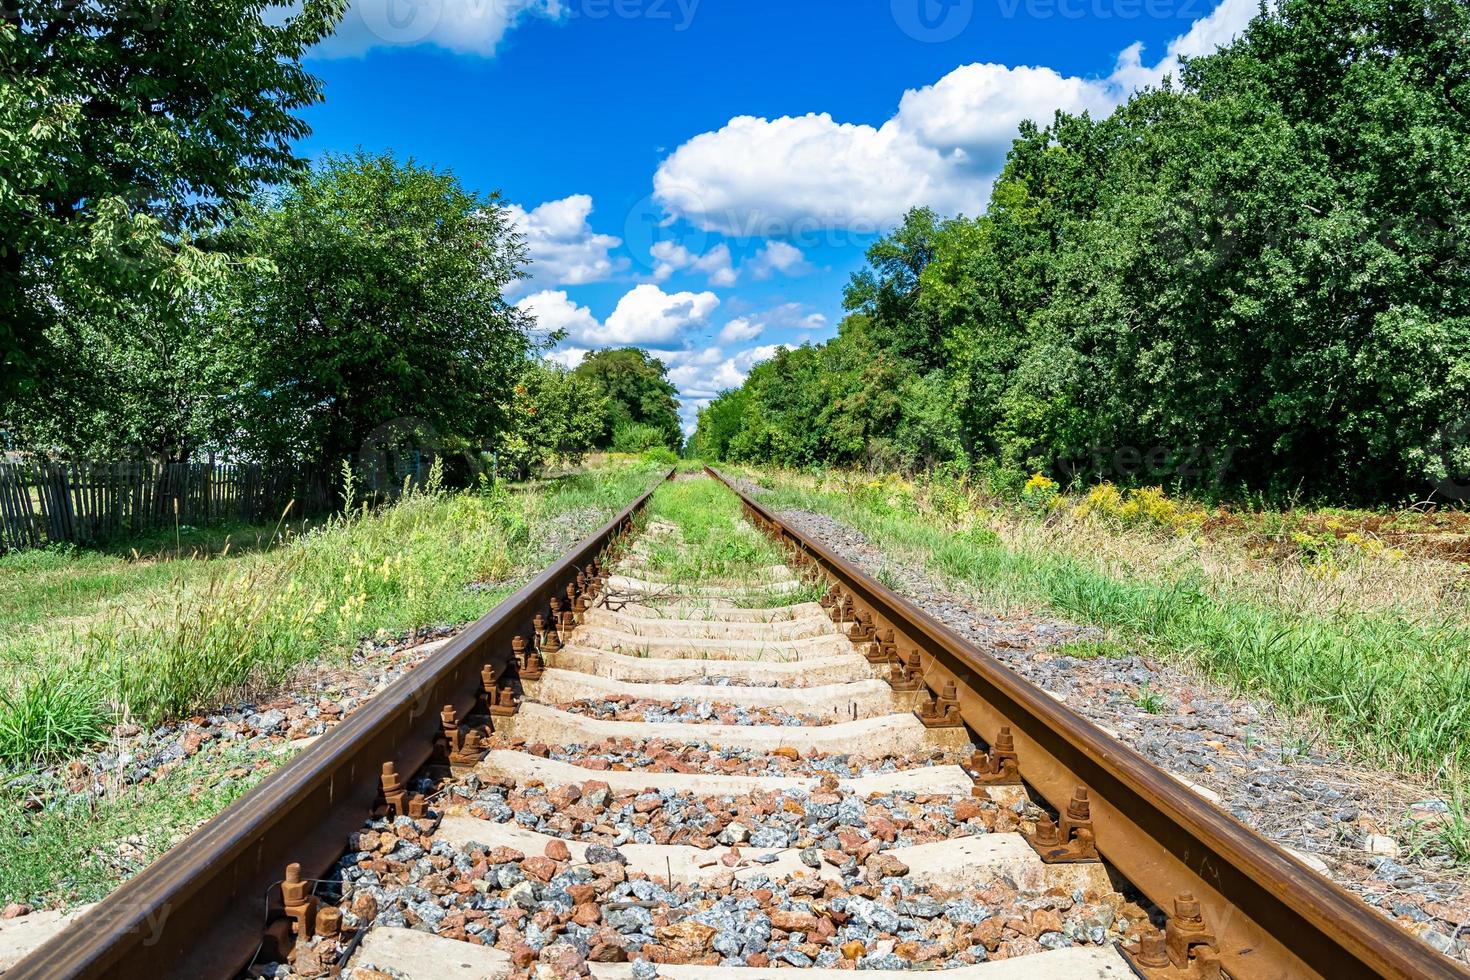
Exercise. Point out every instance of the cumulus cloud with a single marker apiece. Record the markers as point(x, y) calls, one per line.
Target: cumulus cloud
point(474, 27)
point(716, 264)
point(799, 174)
point(563, 248)
point(568, 357)
point(712, 371)
point(781, 257)
point(555, 312)
point(648, 315)
point(741, 329)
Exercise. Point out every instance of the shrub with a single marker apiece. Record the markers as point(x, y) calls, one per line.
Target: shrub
point(636, 438)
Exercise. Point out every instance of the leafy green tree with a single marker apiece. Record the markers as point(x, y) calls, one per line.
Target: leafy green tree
point(148, 380)
point(383, 300)
point(555, 416)
point(1268, 262)
point(638, 392)
point(124, 126)
point(719, 423)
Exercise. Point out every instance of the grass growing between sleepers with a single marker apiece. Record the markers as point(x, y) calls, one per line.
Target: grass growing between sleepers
point(713, 545)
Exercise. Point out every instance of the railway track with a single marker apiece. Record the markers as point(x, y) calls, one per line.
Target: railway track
point(621, 776)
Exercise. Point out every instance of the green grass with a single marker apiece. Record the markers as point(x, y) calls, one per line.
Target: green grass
point(165, 638)
point(82, 847)
point(1388, 687)
point(49, 583)
point(714, 543)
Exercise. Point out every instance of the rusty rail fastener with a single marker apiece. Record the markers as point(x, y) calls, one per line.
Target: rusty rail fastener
point(1001, 766)
point(1185, 950)
point(907, 676)
point(505, 704)
point(862, 629)
point(395, 797)
point(300, 906)
point(552, 641)
point(1072, 840)
point(529, 662)
point(943, 711)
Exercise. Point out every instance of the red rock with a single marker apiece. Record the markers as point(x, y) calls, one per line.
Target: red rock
point(787, 752)
point(365, 906)
point(505, 855)
point(1045, 920)
point(599, 765)
point(581, 893)
point(587, 914)
point(523, 955)
point(309, 959)
point(883, 829)
point(606, 946)
point(542, 869)
point(688, 938)
point(967, 810)
point(557, 850)
point(853, 950)
point(564, 796)
point(15, 910)
point(988, 933)
point(758, 960)
point(793, 921)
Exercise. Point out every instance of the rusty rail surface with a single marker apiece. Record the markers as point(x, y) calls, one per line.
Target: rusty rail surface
point(1271, 916)
point(202, 909)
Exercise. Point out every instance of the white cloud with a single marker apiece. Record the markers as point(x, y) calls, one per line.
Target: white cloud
point(648, 315)
point(706, 376)
point(1219, 27)
point(568, 357)
point(473, 27)
point(944, 146)
point(563, 248)
point(716, 264)
point(780, 257)
point(760, 177)
point(555, 311)
point(645, 315)
point(741, 329)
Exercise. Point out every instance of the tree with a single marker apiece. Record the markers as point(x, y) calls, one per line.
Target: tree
point(124, 126)
point(383, 300)
point(1267, 262)
point(719, 423)
point(638, 392)
point(555, 415)
point(150, 379)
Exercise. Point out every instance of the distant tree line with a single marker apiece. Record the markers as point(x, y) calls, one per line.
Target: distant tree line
point(1256, 278)
point(175, 282)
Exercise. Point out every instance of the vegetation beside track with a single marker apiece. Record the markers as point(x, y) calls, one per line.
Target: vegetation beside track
point(159, 637)
point(1364, 642)
point(147, 639)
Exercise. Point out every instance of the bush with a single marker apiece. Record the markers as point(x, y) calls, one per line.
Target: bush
point(636, 438)
point(661, 456)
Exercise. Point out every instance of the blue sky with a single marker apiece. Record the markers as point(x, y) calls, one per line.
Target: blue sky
point(700, 177)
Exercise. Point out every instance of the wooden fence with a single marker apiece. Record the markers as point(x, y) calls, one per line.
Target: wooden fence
point(84, 503)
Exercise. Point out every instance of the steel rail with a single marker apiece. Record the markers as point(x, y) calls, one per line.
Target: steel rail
point(1273, 916)
point(200, 910)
